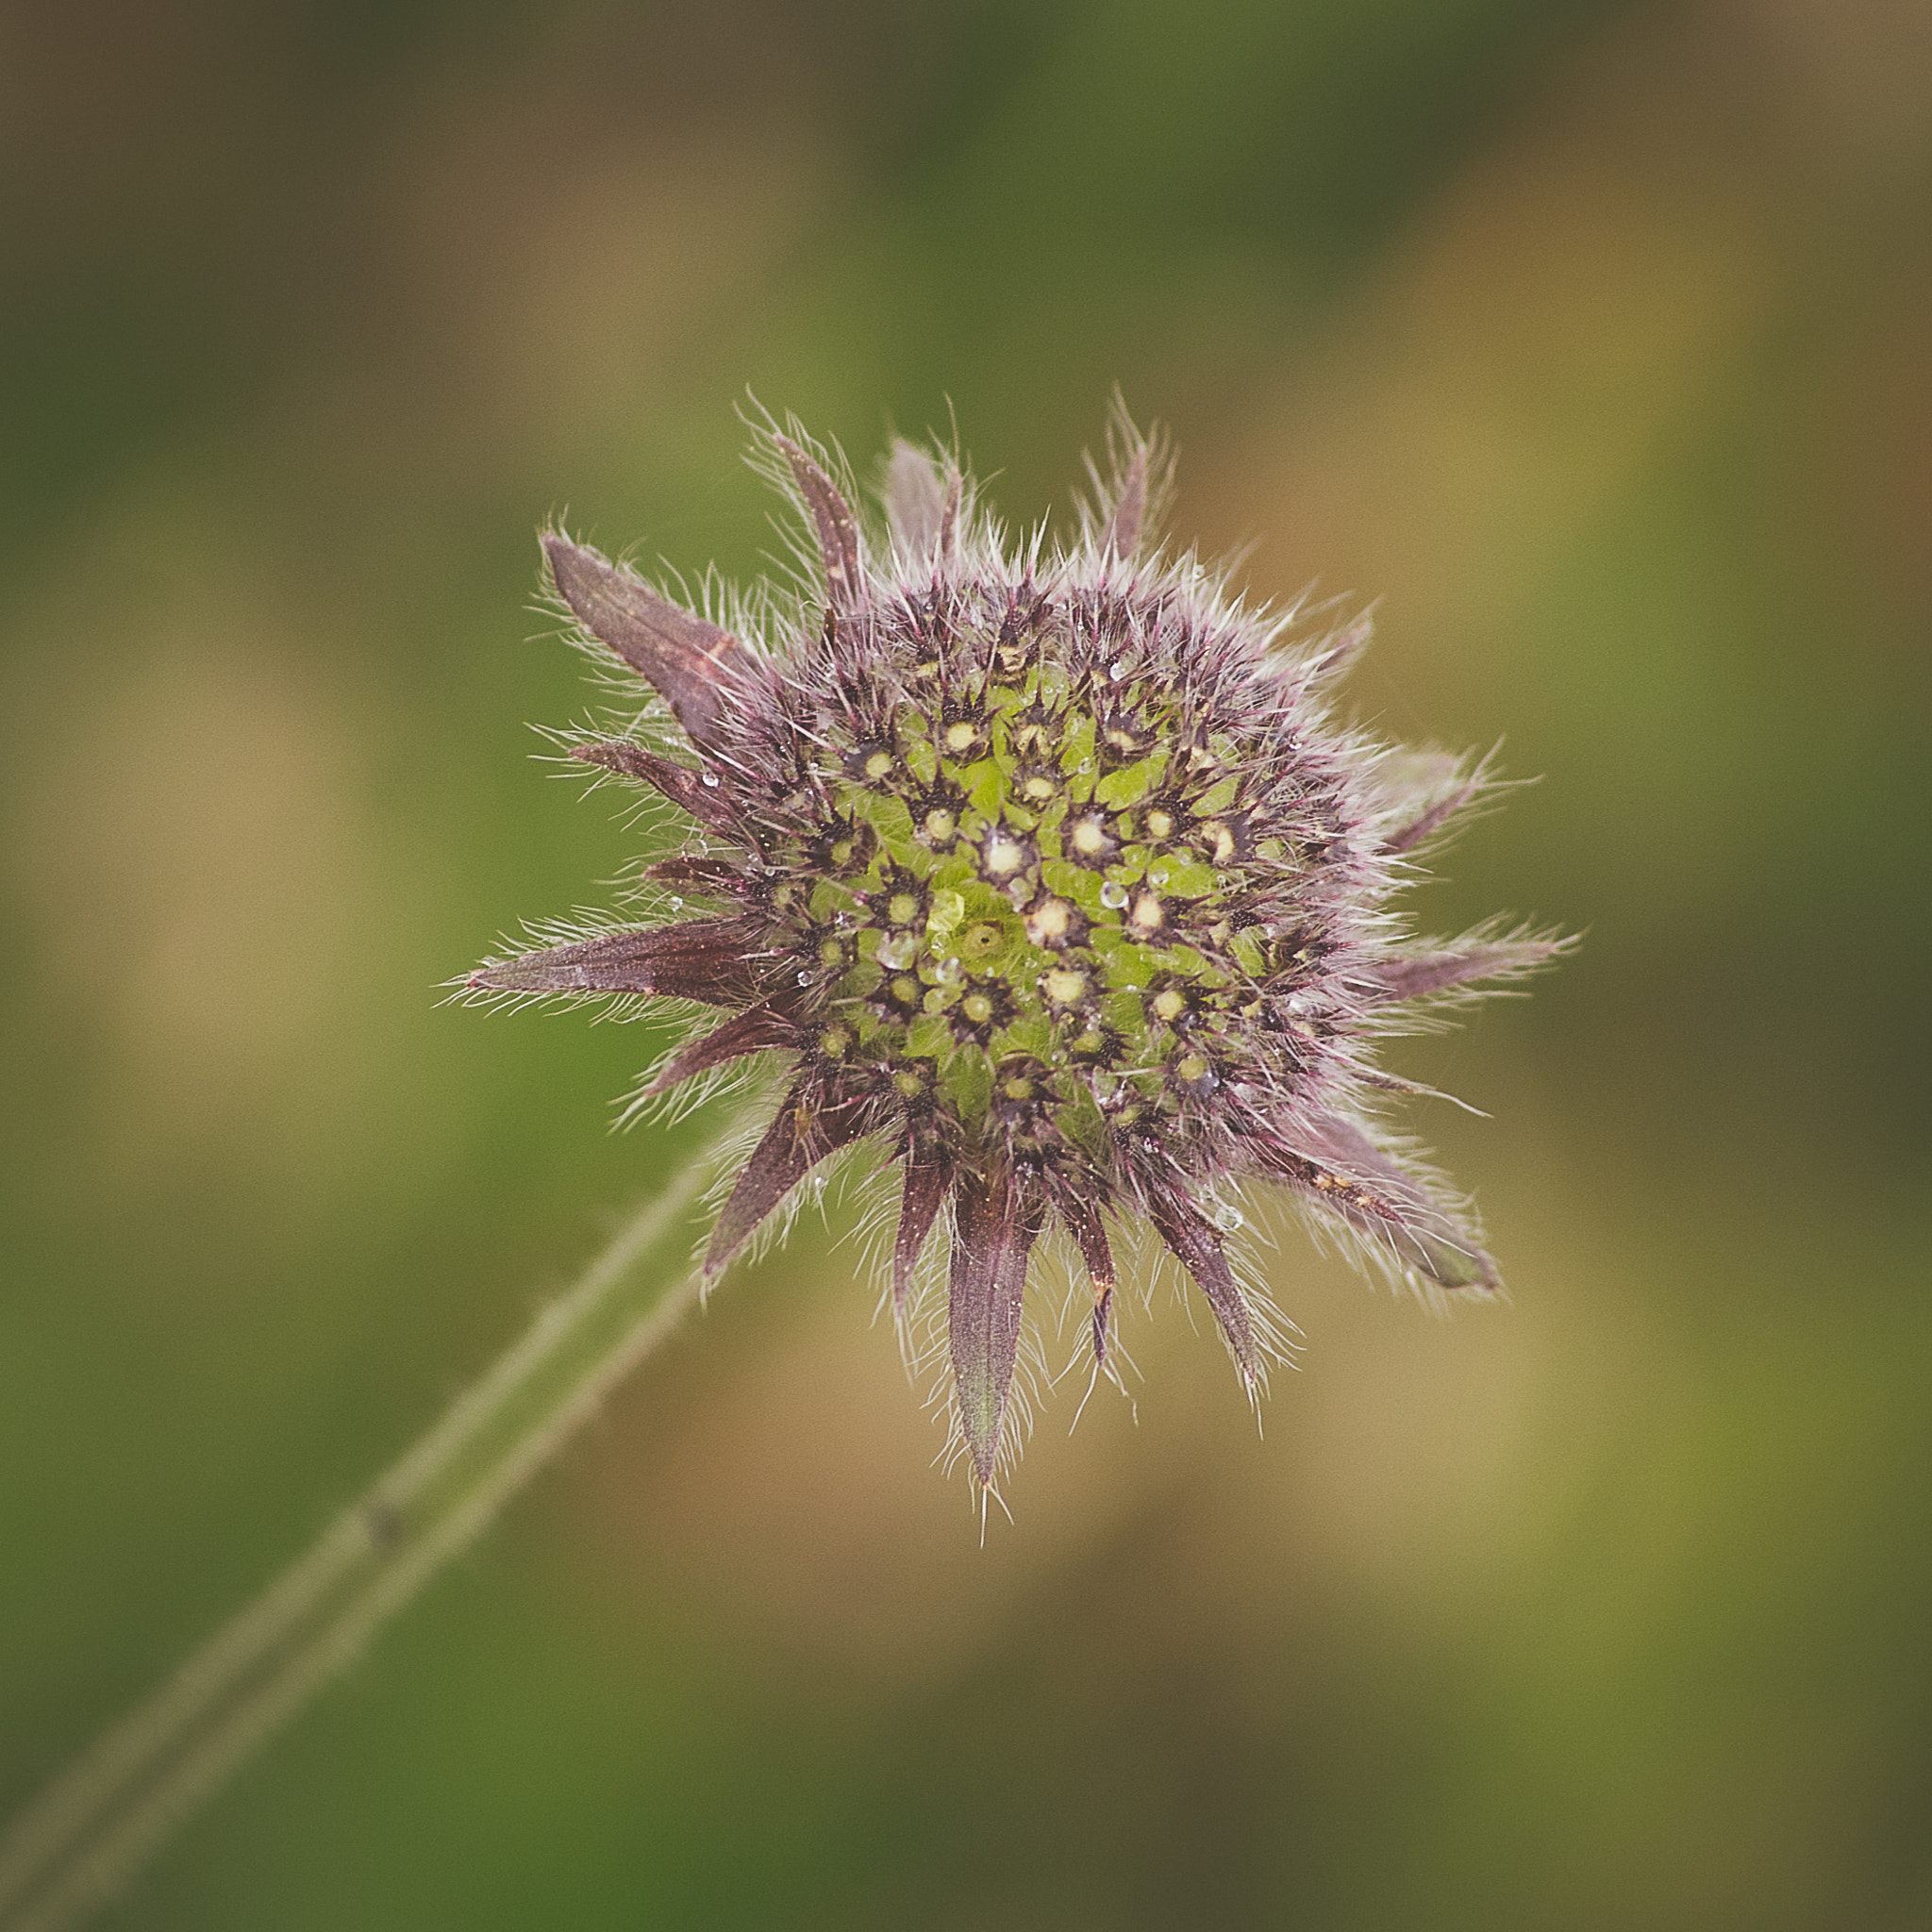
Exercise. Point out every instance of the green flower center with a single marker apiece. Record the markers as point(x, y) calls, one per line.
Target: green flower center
point(1019, 899)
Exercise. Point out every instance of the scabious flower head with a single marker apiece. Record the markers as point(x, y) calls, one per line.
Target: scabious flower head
point(1051, 875)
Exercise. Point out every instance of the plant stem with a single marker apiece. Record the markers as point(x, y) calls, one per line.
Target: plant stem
point(80, 1841)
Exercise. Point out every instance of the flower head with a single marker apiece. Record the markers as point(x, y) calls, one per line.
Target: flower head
point(1053, 877)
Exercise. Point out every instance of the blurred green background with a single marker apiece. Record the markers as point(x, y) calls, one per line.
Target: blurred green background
point(1595, 340)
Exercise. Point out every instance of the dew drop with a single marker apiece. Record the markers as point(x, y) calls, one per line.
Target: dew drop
point(709, 779)
point(1228, 1217)
point(1113, 894)
point(675, 904)
point(805, 978)
point(1158, 876)
point(1117, 670)
point(949, 971)
point(898, 950)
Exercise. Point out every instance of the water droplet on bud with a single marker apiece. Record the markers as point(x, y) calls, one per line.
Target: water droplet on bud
point(1116, 671)
point(1113, 894)
point(709, 779)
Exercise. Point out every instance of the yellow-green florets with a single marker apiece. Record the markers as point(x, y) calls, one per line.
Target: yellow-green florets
point(1026, 889)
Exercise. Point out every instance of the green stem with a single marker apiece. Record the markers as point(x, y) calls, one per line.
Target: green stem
point(80, 1841)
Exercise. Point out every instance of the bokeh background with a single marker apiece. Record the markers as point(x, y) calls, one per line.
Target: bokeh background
point(1595, 340)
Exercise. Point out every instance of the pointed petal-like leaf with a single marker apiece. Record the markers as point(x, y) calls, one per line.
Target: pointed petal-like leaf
point(711, 805)
point(707, 959)
point(778, 1164)
point(915, 503)
point(807, 1129)
point(1130, 502)
point(838, 528)
point(1426, 973)
point(995, 1230)
point(1336, 1164)
point(926, 1179)
point(750, 1032)
point(1121, 535)
point(716, 878)
point(1090, 1234)
point(691, 663)
point(1197, 1245)
point(1435, 814)
point(1103, 1312)
point(949, 521)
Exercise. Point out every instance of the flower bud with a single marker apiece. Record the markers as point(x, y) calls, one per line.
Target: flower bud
point(1051, 875)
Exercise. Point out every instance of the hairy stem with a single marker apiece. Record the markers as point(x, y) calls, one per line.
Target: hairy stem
point(79, 1842)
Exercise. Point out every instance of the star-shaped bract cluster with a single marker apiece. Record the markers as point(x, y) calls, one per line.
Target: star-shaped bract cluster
point(1053, 877)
